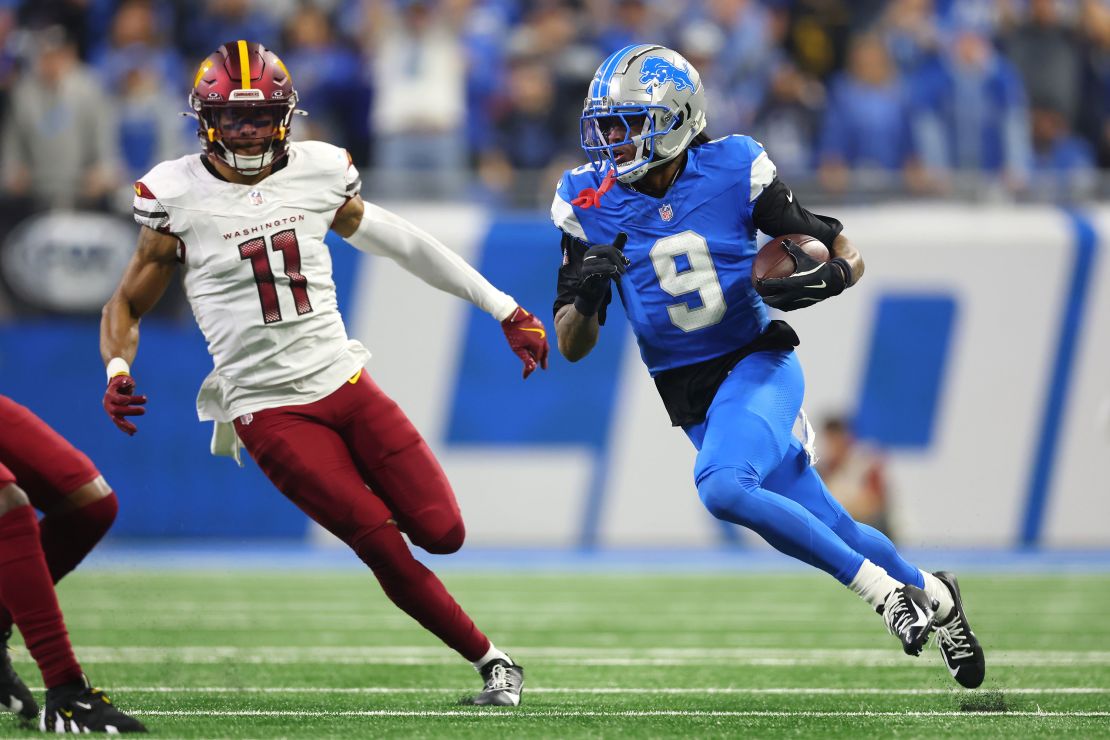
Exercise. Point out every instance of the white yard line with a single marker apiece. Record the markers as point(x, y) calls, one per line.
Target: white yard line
point(767, 691)
point(520, 714)
point(848, 628)
point(579, 656)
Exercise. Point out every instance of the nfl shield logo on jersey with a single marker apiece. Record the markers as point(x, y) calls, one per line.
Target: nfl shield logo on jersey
point(256, 197)
point(665, 212)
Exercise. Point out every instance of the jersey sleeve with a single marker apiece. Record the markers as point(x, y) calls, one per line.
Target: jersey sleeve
point(562, 212)
point(777, 212)
point(574, 245)
point(772, 207)
point(330, 176)
point(352, 181)
point(762, 170)
point(148, 210)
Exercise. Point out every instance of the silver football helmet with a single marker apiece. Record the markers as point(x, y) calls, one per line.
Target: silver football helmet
point(656, 95)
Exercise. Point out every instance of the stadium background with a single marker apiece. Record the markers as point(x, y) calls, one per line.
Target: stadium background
point(964, 144)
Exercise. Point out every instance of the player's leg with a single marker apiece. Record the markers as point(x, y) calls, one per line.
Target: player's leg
point(798, 481)
point(16, 519)
point(27, 591)
point(394, 459)
point(312, 465)
point(397, 463)
point(745, 437)
point(78, 505)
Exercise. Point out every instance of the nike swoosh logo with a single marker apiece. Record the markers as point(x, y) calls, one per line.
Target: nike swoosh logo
point(922, 619)
point(789, 197)
point(816, 286)
point(808, 272)
point(541, 332)
point(83, 705)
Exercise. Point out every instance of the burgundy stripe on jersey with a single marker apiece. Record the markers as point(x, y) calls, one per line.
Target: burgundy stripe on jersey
point(149, 214)
point(147, 210)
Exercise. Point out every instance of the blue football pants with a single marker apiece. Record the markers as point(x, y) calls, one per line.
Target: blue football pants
point(751, 471)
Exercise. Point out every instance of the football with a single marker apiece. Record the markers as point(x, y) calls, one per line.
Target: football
point(773, 261)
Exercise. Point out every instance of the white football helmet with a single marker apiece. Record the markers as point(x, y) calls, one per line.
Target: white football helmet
point(658, 98)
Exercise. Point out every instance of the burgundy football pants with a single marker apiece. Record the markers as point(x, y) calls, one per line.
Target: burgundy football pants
point(354, 463)
point(49, 469)
point(34, 555)
point(46, 466)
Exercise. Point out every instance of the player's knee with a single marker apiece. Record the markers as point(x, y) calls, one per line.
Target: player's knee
point(448, 543)
point(718, 492)
point(12, 497)
point(99, 515)
point(380, 547)
point(437, 529)
point(94, 505)
point(725, 493)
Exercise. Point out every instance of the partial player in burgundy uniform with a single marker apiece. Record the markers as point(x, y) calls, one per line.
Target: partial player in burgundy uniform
point(39, 469)
point(246, 221)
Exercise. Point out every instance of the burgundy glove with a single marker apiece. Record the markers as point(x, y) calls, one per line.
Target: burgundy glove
point(527, 338)
point(120, 402)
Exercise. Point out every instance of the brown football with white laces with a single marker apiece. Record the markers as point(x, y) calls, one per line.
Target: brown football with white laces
point(773, 261)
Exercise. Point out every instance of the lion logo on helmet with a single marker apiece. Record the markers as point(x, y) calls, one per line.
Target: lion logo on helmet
point(659, 71)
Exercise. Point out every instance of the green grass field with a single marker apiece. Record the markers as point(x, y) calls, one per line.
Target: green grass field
point(324, 654)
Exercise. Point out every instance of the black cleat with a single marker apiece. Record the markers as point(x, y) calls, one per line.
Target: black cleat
point(15, 697)
point(77, 707)
point(958, 645)
point(504, 684)
point(909, 614)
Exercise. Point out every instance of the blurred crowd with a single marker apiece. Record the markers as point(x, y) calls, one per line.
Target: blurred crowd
point(480, 98)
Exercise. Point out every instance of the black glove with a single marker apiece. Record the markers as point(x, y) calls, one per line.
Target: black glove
point(811, 282)
point(601, 264)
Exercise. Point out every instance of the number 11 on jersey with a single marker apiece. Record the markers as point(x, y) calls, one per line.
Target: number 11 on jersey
point(255, 251)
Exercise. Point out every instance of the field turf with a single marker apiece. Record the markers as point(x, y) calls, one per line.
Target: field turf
point(324, 654)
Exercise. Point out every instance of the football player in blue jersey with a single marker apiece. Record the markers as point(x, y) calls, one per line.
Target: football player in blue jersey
point(668, 218)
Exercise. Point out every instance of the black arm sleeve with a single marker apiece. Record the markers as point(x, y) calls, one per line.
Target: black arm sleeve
point(778, 212)
point(567, 287)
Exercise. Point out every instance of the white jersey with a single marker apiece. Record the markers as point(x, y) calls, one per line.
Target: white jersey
point(258, 275)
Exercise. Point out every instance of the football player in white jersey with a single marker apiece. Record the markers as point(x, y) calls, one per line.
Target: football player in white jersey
point(246, 222)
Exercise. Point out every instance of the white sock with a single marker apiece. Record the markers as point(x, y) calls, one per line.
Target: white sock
point(492, 654)
point(872, 584)
point(937, 590)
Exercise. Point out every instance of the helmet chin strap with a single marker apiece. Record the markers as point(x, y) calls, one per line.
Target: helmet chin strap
point(641, 170)
point(644, 167)
point(247, 164)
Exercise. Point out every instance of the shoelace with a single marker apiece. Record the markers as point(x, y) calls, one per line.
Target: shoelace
point(956, 639)
point(498, 678)
point(899, 617)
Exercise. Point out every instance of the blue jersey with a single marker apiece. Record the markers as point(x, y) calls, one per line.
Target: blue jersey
point(688, 291)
